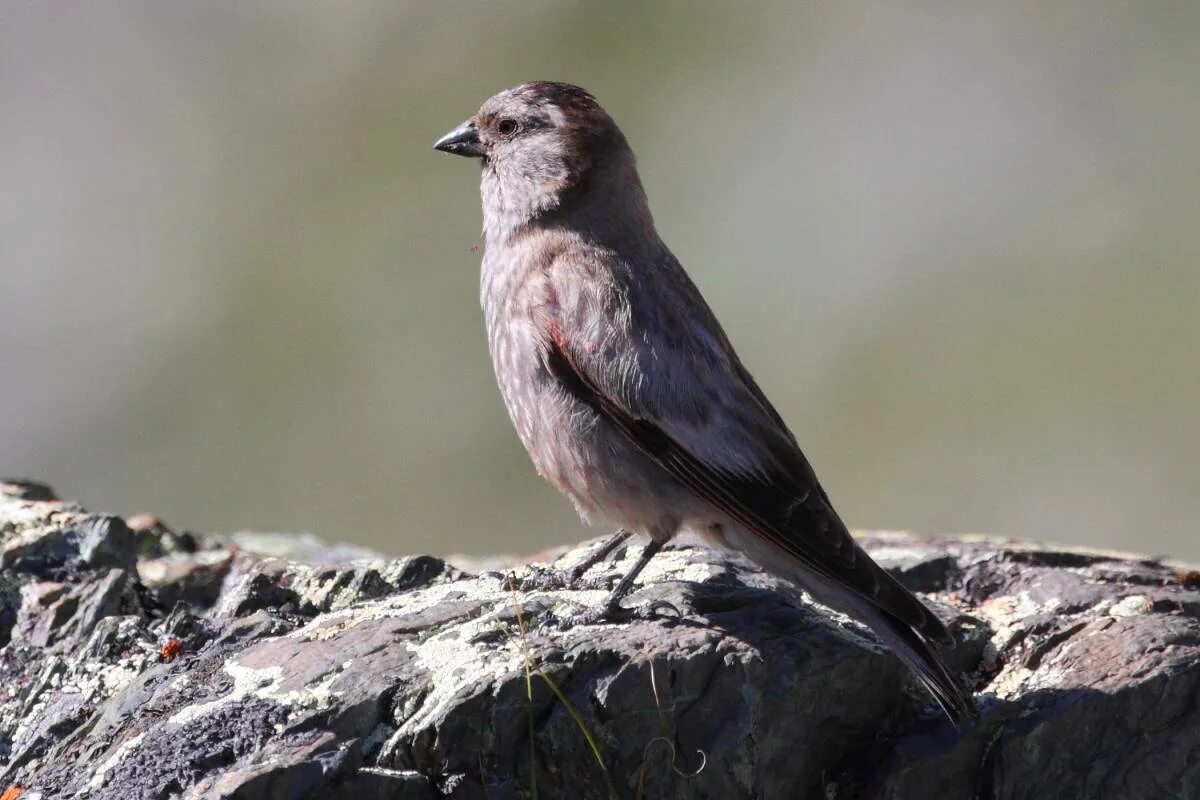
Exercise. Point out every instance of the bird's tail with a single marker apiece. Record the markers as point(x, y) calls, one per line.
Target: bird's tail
point(919, 655)
point(913, 647)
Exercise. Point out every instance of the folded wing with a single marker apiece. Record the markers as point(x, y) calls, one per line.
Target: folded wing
point(727, 444)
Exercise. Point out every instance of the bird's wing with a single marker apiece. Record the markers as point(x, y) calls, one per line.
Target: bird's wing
point(699, 414)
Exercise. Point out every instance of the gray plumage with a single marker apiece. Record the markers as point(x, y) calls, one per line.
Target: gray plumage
point(624, 388)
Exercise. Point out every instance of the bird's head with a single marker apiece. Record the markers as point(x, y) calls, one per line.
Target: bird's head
point(540, 143)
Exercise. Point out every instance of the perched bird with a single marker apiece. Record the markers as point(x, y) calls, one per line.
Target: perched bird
point(624, 388)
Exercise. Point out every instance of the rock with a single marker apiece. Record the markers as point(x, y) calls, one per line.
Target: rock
point(24, 489)
point(137, 662)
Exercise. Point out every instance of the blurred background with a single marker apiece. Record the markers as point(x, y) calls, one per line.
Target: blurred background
point(959, 248)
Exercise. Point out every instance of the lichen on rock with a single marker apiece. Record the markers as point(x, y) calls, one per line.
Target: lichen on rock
point(140, 662)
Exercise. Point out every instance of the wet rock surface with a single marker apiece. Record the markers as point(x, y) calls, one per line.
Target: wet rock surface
point(139, 662)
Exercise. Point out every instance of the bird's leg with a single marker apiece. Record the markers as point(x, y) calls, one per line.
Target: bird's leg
point(612, 610)
point(612, 604)
point(547, 579)
point(595, 557)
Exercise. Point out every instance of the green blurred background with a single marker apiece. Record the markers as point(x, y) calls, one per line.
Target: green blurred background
point(958, 244)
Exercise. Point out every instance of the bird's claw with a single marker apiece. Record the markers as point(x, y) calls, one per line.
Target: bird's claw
point(547, 579)
point(541, 579)
point(615, 613)
point(574, 575)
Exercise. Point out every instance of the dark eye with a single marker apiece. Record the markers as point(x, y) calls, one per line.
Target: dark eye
point(507, 127)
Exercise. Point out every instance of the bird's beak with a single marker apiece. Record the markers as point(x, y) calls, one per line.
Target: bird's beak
point(462, 141)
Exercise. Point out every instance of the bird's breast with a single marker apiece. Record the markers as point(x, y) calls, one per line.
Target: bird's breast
point(577, 450)
point(563, 436)
point(513, 295)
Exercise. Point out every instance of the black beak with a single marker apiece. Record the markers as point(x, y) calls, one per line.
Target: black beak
point(462, 141)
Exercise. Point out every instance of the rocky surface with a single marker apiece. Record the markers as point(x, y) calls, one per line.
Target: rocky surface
point(138, 662)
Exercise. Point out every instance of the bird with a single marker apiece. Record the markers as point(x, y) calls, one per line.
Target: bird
point(624, 388)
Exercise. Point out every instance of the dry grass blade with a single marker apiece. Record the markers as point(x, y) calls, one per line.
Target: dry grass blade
point(530, 669)
point(664, 738)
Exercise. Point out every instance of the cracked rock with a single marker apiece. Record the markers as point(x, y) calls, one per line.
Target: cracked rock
point(137, 662)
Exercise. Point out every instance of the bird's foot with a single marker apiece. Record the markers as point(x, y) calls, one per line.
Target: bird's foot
point(611, 613)
point(538, 578)
point(574, 575)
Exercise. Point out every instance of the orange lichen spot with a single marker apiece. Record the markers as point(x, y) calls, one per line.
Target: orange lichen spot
point(11, 793)
point(167, 652)
point(1190, 580)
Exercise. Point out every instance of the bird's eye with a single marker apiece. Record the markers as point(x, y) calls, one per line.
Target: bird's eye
point(507, 127)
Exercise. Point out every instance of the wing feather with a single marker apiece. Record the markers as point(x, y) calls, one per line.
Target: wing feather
point(781, 501)
point(672, 384)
